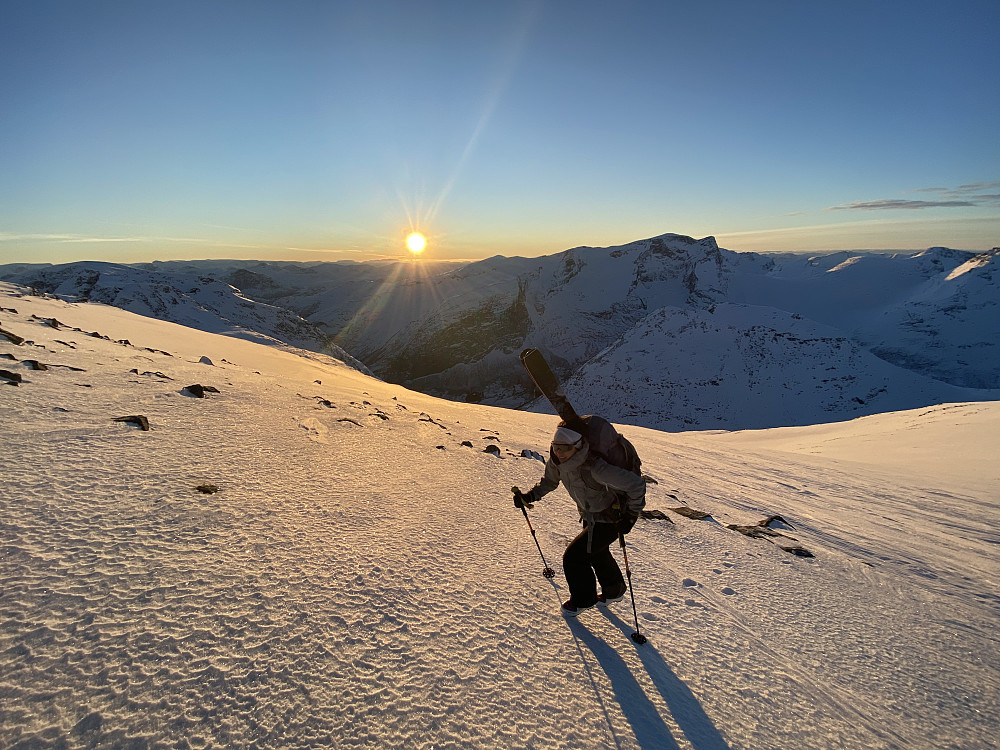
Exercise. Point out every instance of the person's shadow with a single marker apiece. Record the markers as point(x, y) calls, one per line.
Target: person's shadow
point(650, 729)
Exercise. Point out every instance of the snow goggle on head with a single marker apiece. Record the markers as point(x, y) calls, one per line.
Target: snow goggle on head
point(566, 446)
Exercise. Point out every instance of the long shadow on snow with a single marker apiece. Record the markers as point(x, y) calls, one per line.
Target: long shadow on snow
point(684, 706)
point(650, 730)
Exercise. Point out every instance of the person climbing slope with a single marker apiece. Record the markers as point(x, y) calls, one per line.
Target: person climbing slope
point(609, 499)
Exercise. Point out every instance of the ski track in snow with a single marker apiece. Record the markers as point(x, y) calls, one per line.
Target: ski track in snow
point(353, 585)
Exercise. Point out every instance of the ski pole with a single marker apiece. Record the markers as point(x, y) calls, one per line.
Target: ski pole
point(546, 571)
point(636, 636)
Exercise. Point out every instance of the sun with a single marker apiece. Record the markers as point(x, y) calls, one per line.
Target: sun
point(416, 242)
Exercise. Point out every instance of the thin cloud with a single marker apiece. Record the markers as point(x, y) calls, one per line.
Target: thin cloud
point(976, 187)
point(139, 239)
point(892, 204)
point(10, 237)
point(964, 196)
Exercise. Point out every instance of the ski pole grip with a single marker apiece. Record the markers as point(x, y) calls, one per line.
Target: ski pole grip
point(519, 500)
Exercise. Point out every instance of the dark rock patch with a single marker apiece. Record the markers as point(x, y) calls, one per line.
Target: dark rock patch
point(431, 420)
point(775, 521)
point(157, 374)
point(11, 337)
point(762, 530)
point(136, 419)
point(697, 515)
point(69, 367)
point(655, 515)
point(757, 532)
point(798, 551)
point(198, 390)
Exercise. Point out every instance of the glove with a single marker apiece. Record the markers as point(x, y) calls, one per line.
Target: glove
point(627, 522)
point(523, 499)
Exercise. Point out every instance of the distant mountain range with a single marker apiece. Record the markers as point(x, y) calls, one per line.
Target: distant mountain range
point(669, 332)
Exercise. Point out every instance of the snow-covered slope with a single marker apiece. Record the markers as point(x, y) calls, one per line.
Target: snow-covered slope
point(189, 299)
point(936, 312)
point(744, 367)
point(361, 579)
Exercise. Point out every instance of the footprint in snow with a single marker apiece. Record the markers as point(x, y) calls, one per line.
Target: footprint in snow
point(315, 430)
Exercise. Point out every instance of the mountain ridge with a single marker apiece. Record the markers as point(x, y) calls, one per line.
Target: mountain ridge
point(453, 329)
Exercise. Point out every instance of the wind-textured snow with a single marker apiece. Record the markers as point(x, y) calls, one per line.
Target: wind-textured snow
point(361, 579)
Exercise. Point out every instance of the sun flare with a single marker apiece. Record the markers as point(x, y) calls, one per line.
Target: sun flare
point(416, 242)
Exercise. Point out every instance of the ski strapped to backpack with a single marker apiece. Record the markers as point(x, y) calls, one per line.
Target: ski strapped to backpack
point(605, 441)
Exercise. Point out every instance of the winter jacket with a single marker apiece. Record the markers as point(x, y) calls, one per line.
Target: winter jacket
point(592, 483)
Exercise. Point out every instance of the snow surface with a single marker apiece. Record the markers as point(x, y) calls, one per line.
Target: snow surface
point(361, 579)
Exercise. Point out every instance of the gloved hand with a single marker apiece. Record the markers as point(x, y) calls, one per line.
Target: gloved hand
point(523, 499)
point(627, 522)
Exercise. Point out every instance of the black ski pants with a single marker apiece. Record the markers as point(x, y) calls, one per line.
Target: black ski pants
point(583, 570)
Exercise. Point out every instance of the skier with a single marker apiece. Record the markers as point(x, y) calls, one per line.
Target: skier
point(609, 499)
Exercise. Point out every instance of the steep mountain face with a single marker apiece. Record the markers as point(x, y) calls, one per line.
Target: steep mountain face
point(949, 328)
point(933, 312)
point(670, 331)
point(743, 367)
point(571, 305)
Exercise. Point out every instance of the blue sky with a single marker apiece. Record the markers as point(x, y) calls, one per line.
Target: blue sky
point(312, 130)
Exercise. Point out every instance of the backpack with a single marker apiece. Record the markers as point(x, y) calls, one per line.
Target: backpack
point(611, 445)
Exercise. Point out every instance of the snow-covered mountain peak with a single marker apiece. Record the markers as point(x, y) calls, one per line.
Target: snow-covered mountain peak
point(981, 261)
